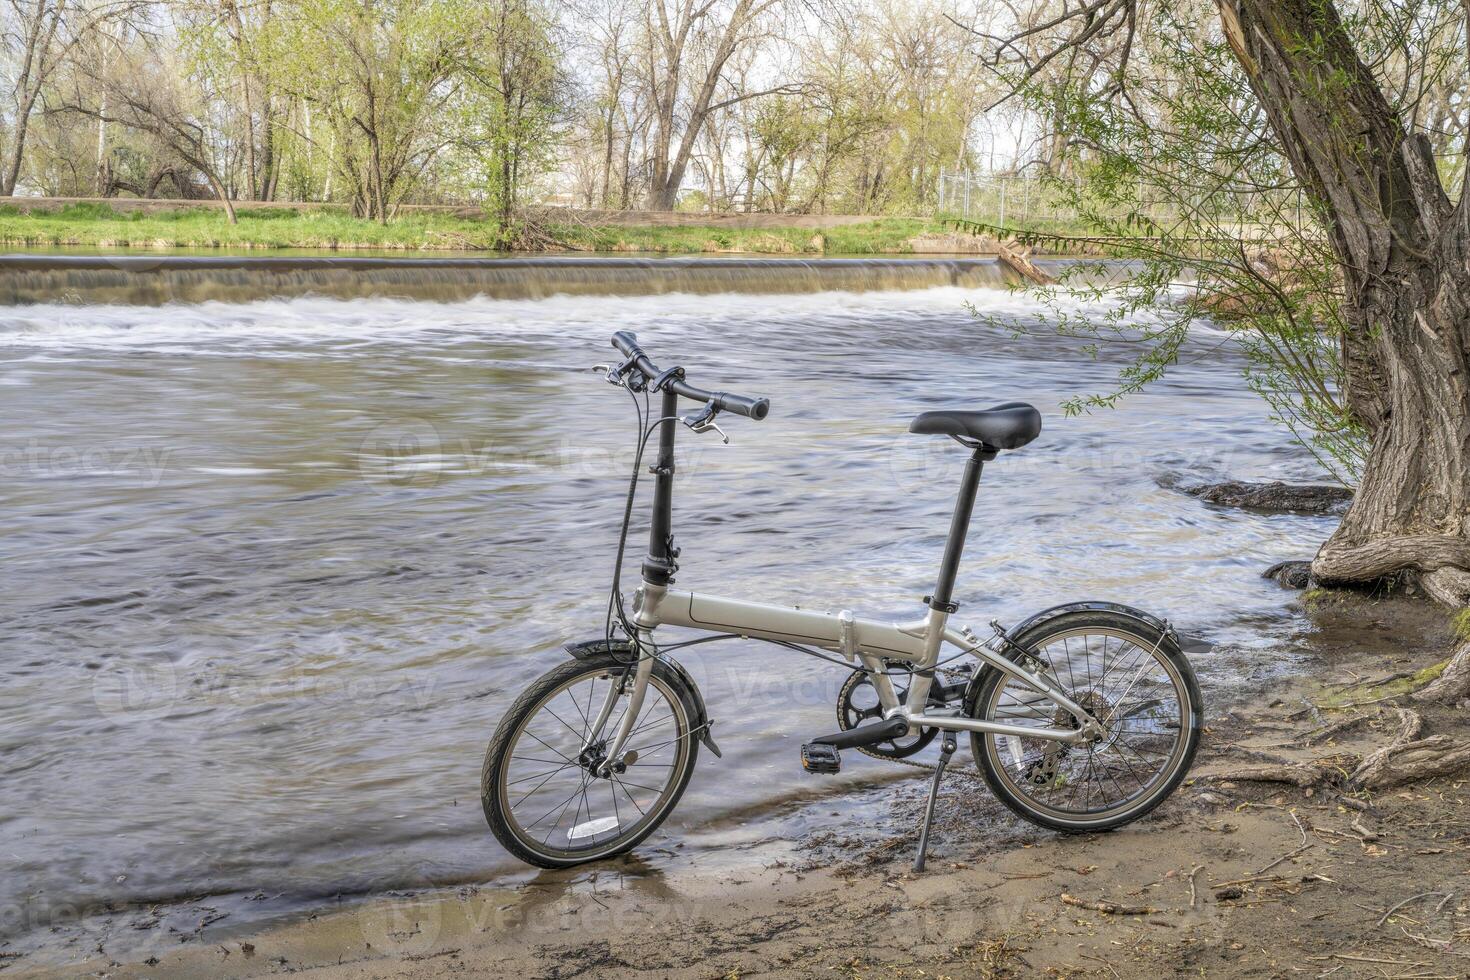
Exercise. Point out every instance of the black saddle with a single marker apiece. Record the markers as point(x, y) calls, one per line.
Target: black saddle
point(1008, 426)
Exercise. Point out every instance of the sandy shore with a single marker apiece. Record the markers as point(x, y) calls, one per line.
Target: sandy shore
point(1226, 879)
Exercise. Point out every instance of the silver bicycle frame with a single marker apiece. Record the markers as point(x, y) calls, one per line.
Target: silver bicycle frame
point(865, 641)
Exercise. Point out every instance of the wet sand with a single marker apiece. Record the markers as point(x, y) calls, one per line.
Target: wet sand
point(1225, 879)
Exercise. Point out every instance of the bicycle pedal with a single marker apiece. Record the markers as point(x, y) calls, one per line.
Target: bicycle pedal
point(816, 757)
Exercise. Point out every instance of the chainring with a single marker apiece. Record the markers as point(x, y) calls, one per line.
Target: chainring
point(857, 704)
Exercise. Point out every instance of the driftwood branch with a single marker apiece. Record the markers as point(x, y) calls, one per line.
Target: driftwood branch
point(1317, 772)
point(1108, 908)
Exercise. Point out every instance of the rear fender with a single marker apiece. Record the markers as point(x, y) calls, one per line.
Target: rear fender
point(623, 650)
point(1147, 619)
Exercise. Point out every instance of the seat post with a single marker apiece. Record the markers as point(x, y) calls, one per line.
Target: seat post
point(959, 526)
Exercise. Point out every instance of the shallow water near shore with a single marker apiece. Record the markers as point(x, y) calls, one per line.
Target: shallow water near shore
point(276, 568)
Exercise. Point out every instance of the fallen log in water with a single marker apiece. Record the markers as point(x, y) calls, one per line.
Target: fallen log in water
point(1018, 257)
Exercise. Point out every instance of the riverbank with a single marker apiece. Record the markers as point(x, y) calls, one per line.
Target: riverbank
point(199, 226)
point(1228, 877)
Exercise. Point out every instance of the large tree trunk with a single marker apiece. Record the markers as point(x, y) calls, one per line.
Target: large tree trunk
point(1402, 247)
point(270, 164)
point(223, 195)
point(670, 163)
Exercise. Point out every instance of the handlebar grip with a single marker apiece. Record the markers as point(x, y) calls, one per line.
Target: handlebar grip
point(751, 408)
point(626, 341)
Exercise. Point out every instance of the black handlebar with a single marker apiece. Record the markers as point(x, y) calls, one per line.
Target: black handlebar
point(752, 408)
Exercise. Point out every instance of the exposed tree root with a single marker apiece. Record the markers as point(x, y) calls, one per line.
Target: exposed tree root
point(1335, 728)
point(1409, 759)
point(1454, 683)
point(1318, 772)
point(1341, 564)
point(1442, 565)
point(1447, 585)
point(1394, 765)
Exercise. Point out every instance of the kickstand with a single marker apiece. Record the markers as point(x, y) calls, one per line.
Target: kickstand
point(944, 753)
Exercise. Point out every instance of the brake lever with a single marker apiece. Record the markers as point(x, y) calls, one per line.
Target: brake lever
point(711, 425)
point(704, 420)
point(625, 375)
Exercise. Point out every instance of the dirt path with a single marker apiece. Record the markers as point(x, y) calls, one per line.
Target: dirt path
point(1226, 879)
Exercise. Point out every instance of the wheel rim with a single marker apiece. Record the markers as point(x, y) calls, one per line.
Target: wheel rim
point(552, 800)
point(1124, 681)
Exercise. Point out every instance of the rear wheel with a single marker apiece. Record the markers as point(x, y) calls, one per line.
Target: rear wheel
point(543, 787)
point(1131, 678)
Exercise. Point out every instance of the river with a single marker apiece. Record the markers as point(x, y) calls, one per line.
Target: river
point(274, 567)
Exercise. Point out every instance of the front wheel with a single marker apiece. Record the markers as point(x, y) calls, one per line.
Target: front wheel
point(1125, 673)
point(547, 794)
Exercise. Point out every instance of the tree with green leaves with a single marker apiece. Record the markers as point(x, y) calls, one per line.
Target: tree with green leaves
point(689, 45)
point(160, 91)
point(380, 76)
point(40, 38)
point(509, 120)
point(1357, 313)
point(224, 37)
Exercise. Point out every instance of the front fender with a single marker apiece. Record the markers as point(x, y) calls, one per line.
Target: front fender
point(622, 648)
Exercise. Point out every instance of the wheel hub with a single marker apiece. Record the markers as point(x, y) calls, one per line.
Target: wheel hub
point(1043, 771)
point(594, 759)
point(1100, 708)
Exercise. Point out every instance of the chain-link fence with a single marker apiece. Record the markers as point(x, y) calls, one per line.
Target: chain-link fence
point(1035, 203)
point(1004, 201)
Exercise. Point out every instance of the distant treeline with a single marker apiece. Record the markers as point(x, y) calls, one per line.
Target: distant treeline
point(773, 105)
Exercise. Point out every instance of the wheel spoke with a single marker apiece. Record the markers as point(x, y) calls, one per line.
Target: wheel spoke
point(628, 795)
point(532, 792)
point(551, 747)
point(537, 775)
point(580, 735)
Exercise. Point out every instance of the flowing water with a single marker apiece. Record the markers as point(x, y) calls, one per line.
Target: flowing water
point(273, 569)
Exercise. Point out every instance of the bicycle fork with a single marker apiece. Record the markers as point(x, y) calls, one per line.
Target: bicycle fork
point(630, 716)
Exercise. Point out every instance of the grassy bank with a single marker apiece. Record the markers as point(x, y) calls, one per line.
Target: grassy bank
point(879, 235)
point(103, 226)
